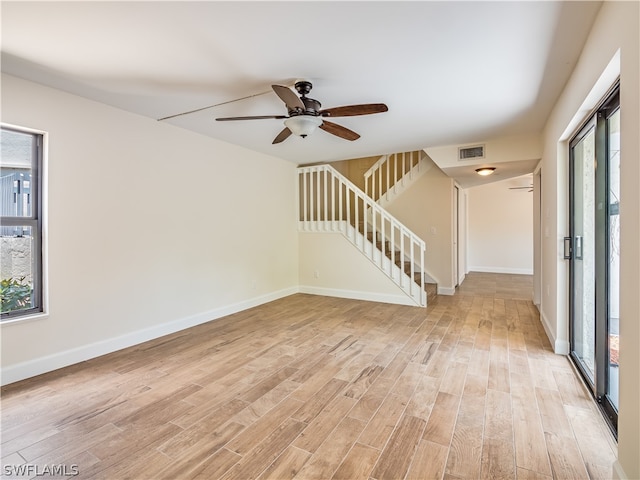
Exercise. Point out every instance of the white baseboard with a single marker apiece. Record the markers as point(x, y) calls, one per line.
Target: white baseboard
point(514, 271)
point(618, 472)
point(356, 295)
point(446, 290)
point(38, 366)
point(561, 347)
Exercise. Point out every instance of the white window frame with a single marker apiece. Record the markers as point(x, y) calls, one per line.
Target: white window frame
point(37, 222)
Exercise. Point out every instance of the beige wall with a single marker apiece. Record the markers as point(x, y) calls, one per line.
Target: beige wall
point(140, 238)
point(500, 228)
point(355, 169)
point(331, 265)
point(615, 29)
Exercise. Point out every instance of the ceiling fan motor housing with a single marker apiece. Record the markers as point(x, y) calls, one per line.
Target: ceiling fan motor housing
point(303, 87)
point(311, 106)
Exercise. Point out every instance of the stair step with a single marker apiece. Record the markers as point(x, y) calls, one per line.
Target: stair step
point(406, 267)
point(432, 292)
point(430, 288)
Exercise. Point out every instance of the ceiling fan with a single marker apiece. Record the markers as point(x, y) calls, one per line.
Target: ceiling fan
point(304, 114)
point(530, 187)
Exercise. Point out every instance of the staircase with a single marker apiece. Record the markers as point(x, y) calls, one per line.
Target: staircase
point(394, 173)
point(391, 175)
point(329, 202)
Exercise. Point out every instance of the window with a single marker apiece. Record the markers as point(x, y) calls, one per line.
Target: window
point(20, 223)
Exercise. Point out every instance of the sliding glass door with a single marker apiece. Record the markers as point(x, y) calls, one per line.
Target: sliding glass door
point(583, 258)
point(595, 253)
point(613, 200)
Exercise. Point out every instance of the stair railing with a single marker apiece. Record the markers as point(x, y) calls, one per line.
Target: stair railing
point(329, 202)
point(391, 171)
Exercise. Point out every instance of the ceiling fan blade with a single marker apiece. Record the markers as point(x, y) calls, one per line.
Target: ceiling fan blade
point(339, 131)
point(353, 110)
point(256, 117)
point(282, 136)
point(290, 99)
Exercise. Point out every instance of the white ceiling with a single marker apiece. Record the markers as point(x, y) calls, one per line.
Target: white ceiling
point(450, 72)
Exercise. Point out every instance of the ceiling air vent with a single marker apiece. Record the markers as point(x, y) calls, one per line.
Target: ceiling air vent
point(469, 153)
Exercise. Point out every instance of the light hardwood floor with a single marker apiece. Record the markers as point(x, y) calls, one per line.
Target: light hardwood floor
point(312, 387)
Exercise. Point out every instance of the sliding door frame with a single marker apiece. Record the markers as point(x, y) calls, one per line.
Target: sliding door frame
point(599, 386)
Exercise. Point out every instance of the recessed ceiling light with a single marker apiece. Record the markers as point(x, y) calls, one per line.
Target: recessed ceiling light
point(484, 171)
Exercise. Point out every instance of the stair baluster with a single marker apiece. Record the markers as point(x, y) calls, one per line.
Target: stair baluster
point(364, 223)
point(391, 171)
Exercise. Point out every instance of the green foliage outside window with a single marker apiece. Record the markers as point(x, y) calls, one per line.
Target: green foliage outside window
point(15, 294)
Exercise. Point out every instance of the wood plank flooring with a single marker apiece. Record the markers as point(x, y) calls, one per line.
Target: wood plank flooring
point(312, 387)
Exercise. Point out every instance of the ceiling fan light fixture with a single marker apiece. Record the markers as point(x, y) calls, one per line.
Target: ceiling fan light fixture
point(484, 171)
point(303, 125)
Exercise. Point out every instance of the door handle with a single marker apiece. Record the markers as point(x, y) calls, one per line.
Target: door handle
point(578, 248)
point(567, 248)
